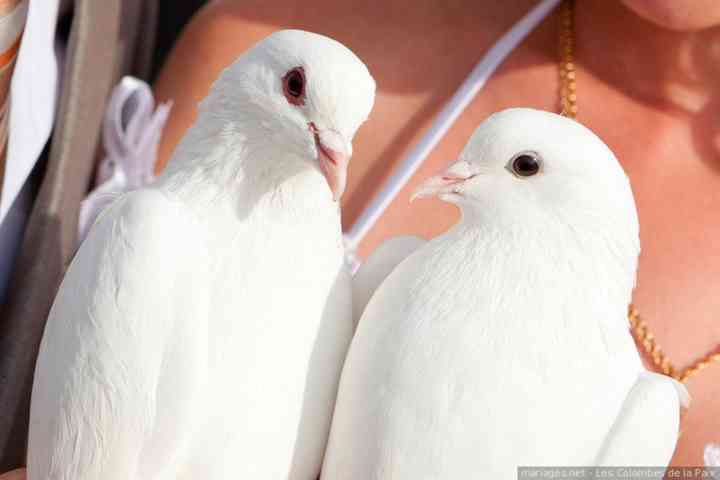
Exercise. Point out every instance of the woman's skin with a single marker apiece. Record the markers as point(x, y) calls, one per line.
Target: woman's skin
point(648, 84)
point(18, 474)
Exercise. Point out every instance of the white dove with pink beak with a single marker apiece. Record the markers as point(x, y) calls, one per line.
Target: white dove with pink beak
point(504, 342)
point(201, 328)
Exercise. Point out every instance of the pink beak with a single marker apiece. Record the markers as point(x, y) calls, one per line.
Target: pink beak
point(333, 156)
point(448, 182)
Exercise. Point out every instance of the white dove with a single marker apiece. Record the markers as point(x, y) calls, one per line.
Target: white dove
point(201, 328)
point(504, 342)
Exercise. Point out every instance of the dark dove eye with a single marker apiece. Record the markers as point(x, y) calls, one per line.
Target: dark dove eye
point(294, 86)
point(525, 164)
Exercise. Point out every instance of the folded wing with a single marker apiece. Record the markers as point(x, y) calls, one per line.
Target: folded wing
point(121, 364)
point(377, 267)
point(646, 430)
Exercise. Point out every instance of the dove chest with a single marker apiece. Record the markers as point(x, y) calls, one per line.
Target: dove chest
point(473, 348)
point(272, 280)
point(279, 314)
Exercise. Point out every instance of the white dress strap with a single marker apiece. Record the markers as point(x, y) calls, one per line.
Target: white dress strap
point(445, 119)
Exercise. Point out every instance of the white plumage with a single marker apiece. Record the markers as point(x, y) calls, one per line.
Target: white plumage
point(377, 267)
point(201, 328)
point(504, 342)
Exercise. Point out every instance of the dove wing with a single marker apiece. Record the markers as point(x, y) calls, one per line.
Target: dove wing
point(377, 267)
point(646, 430)
point(121, 366)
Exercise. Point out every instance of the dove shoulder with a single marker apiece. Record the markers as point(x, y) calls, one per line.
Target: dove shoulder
point(124, 335)
point(649, 417)
point(378, 266)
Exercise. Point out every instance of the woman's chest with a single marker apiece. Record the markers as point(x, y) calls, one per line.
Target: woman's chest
point(678, 281)
point(674, 169)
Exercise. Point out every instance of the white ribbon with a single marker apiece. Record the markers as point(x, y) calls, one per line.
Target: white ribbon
point(131, 134)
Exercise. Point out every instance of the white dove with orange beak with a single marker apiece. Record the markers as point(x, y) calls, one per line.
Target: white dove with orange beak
point(201, 328)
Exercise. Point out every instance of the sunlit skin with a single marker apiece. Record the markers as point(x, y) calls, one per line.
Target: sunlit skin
point(18, 474)
point(647, 84)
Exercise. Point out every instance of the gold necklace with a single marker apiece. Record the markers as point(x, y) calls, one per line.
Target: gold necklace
point(569, 108)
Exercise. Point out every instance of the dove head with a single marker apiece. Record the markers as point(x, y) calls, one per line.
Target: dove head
point(541, 173)
point(296, 96)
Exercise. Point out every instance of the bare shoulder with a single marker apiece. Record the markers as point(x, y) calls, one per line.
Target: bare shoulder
point(218, 34)
point(418, 52)
point(445, 34)
point(14, 475)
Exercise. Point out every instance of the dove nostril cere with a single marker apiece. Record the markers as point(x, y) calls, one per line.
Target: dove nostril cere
point(525, 165)
point(294, 86)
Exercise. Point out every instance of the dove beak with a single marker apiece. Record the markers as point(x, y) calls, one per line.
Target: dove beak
point(334, 154)
point(447, 183)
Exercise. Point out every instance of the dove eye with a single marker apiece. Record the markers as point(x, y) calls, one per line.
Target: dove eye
point(525, 164)
point(294, 86)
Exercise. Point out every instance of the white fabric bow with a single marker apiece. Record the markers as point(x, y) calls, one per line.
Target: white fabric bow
point(131, 134)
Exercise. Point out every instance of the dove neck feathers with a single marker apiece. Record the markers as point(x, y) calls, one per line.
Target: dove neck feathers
point(241, 159)
point(596, 267)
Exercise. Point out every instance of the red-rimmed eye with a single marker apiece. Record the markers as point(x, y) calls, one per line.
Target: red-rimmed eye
point(294, 86)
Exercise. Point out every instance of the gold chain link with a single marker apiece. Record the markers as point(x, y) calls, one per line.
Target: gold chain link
point(569, 108)
point(568, 83)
